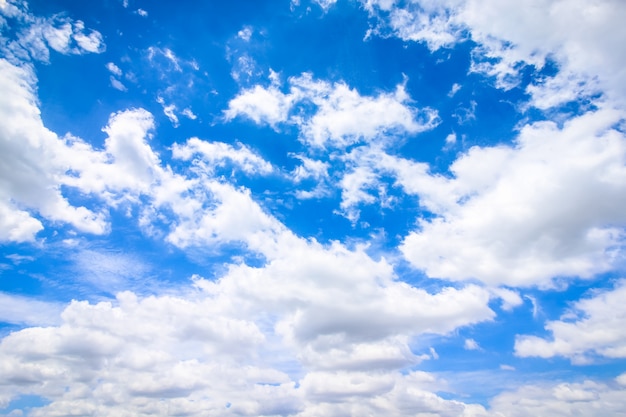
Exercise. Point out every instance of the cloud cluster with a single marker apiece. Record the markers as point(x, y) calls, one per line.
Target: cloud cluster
point(332, 114)
point(257, 341)
point(38, 165)
point(512, 35)
point(35, 162)
point(38, 35)
point(332, 312)
point(520, 215)
point(322, 329)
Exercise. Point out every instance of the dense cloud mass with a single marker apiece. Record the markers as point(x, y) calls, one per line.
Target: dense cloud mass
point(416, 216)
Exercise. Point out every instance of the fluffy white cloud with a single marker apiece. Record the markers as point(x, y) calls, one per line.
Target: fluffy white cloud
point(35, 161)
point(336, 314)
point(36, 35)
point(37, 164)
point(118, 359)
point(524, 32)
point(341, 116)
point(520, 215)
point(424, 21)
point(262, 105)
point(164, 58)
point(340, 309)
point(216, 154)
point(114, 69)
point(594, 327)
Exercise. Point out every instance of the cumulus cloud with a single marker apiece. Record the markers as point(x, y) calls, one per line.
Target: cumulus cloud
point(208, 349)
point(37, 35)
point(35, 162)
point(114, 69)
point(341, 116)
point(511, 35)
point(593, 328)
point(520, 215)
point(216, 154)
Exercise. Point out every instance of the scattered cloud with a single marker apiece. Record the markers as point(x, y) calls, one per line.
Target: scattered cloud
point(114, 69)
point(188, 113)
point(245, 33)
point(117, 84)
point(593, 328)
point(471, 344)
point(510, 36)
point(340, 323)
point(38, 35)
point(35, 165)
point(215, 154)
point(342, 116)
point(169, 111)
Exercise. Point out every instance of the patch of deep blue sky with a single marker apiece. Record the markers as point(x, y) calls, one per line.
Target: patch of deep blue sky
point(76, 96)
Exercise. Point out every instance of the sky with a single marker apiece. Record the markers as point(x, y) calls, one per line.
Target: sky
point(313, 208)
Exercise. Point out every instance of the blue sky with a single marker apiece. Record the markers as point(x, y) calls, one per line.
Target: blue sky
point(305, 208)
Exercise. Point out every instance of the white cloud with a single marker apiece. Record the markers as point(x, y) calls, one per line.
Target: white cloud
point(262, 105)
point(28, 311)
point(454, 89)
point(245, 69)
point(91, 42)
point(325, 4)
point(169, 111)
point(587, 398)
point(35, 164)
point(38, 164)
point(510, 299)
point(520, 215)
point(336, 313)
point(342, 116)
point(188, 113)
point(335, 306)
point(110, 272)
point(245, 33)
point(142, 13)
point(35, 36)
point(594, 327)
point(114, 69)
point(311, 170)
point(427, 21)
point(117, 84)
point(471, 344)
point(354, 190)
point(217, 153)
point(528, 31)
